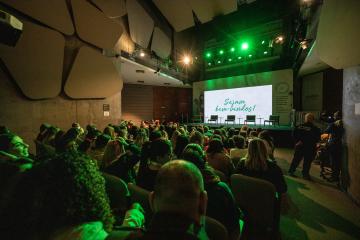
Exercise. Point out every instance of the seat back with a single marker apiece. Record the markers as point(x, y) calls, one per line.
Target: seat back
point(214, 117)
point(256, 197)
point(250, 118)
point(230, 118)
point(274, 118)
point(141, 195)
point(117, 192)
point(214, 229)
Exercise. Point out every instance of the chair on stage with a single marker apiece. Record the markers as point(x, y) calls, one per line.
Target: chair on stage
point(273, 119)
point(250, 118)
point(213, 118)
point(230, 118)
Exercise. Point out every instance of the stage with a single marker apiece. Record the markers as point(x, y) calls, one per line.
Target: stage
point(282, 134)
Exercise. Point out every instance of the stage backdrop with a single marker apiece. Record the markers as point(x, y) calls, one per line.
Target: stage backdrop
point(282, 91)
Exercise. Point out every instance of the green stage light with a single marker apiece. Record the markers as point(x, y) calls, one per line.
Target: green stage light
point(265, 52)
point(239, 58)
point(219, 61)
point(229, 59)
point(250, 55)
point(208, 54)
point(221, 52)
point(263, 42)
point(209, 64)
point(232, 49)
point(244, 46)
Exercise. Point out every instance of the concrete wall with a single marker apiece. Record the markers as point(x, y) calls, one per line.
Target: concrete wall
point(24, 116)
point(351, 97)
point(312, 92)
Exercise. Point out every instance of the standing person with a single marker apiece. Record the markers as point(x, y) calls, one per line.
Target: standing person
point(336, 131)
point(306, 136)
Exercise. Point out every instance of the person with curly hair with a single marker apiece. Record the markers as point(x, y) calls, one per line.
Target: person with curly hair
point(61, 198)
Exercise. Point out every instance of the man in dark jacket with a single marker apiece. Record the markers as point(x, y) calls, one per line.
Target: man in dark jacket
point(306, 137)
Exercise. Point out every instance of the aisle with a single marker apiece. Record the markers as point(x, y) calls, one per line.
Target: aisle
point(321, 211)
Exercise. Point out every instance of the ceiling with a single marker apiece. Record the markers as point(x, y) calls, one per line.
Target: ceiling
point(312, 62)
point(134, 73)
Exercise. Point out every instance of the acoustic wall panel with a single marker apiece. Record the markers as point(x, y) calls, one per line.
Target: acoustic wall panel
point(177, 12)
point(53, 13)
point(112, 8)
point(93, 26)
point(92, 76)
point(339, 32)
point(140, 23)
point(161, 44)
point(36, 61)
point(206, 10)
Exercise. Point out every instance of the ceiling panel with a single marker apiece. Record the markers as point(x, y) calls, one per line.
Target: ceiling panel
point(206, 10)
point(36, 61)
point(339, 32)
point(161, 44)
point(94, 27)
point(53, 13)
point(112, 8)
point(312, 62)
point(140, 23)
point(92, 76)
point(147, 75)
point(177, 12)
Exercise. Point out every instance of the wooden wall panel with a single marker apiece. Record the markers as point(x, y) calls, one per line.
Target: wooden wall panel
point(137, 103)
point(171, 103)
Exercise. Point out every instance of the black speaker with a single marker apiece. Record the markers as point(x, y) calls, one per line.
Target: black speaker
point(10, 29)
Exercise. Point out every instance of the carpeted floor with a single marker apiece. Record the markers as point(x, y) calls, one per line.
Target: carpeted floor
point(319, 210)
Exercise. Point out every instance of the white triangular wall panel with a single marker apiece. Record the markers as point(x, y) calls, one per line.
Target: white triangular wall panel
point(93, 26)
point(161, 43)
point(92, 76)
point(36, 62)
point(112, 8)
point(141, 24)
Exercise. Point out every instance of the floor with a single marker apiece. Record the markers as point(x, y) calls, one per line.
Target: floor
point(319, 210)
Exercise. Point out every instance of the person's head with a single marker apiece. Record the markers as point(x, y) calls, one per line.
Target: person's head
point(101, 141)
point(155, 135)
point(265, 135)
point(14, 145)
point(160, 151)
point(257, 155)
point(197, 137)
point(110, 131)
point(215, 146)
point(239, 141)
point(122, 131)
point(179, 188)
point(337, 115)
point(253, 134)
point(174, 136)
point(68, 140)
point(113, 150)
point(181, 142)
point(141, 137)
point(194, 154)
point(309, 118)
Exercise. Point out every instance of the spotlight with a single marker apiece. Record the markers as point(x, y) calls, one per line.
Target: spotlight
point(232, 49)
point(221, 52)
point(263, 42)
point(250, 55)
point(279, 39)
point(244, 46)
point(303, 45)
point(208, 54)
point(265, 52)
point(142, 54)
point(186, 60)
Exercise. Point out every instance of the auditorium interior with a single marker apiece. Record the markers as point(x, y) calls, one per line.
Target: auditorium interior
point(113, 71)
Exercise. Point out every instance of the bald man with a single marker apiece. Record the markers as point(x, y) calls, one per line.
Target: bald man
point(178, 202)
point(306, 137)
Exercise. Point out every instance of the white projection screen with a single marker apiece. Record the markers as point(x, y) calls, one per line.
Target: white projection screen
point(239, 102)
